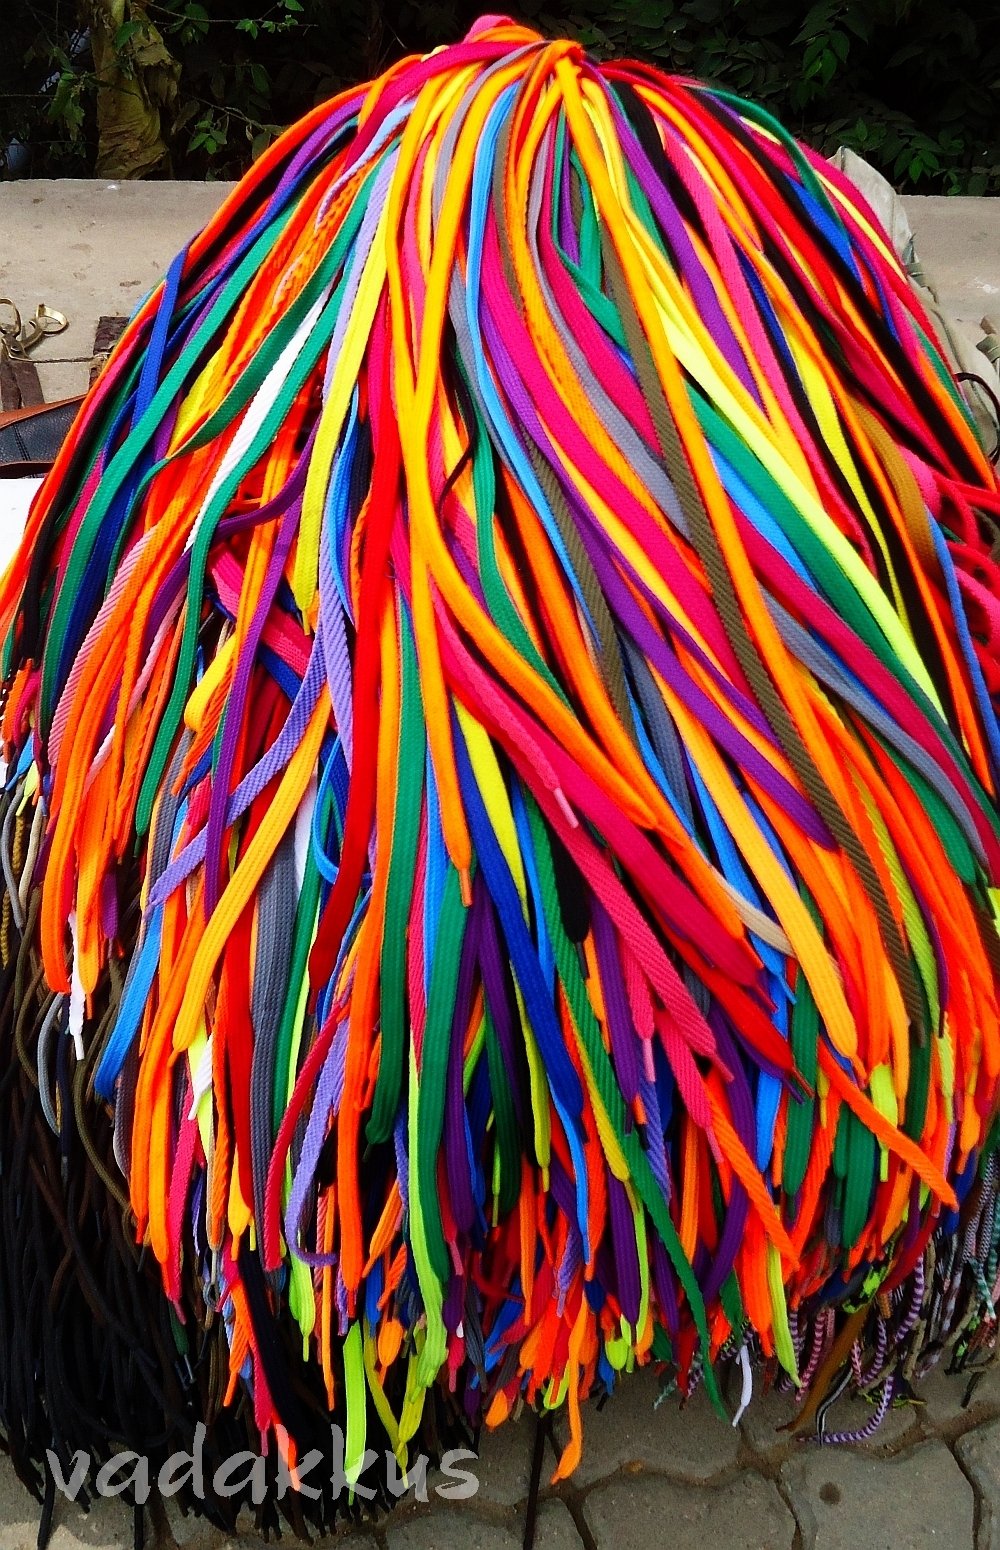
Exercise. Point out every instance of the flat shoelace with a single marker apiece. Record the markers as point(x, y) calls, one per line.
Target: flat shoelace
point(518, 591)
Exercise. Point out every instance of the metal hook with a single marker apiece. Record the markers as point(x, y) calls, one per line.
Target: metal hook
point(18, 337)
point(213, 1292)
point(9, 330)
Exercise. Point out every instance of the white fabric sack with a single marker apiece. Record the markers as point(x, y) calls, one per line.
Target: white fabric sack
point(15, 498)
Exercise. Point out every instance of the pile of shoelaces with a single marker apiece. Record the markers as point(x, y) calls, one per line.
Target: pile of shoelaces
point(500, 830)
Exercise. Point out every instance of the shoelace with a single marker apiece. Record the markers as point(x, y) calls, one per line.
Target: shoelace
point(521, 591)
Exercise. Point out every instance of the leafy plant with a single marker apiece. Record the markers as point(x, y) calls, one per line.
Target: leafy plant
point(196, 88)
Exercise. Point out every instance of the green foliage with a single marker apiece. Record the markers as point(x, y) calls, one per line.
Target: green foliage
point(912, 85)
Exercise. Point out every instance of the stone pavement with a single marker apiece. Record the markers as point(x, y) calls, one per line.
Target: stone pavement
point(666, 1477)
point(648, 1478)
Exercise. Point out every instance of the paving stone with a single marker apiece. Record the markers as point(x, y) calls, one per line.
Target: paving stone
point(442, 1527)
point(187, 1532)
point(766, 1418)
point(767, 1424)
point(106, 1525)
point(504, 1466)
point(900, 1427)
point(844, 1497)
point(692, 1443)
point(501, 1471)
point(343, 1539)
point(556, 1529)
point(746, 1513)
point(937, 1401)
point(943, 1394)
point(979, 1452)
point(346, 1537)
point(448, 1529)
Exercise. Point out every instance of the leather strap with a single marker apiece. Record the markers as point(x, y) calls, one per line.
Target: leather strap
point(19, 384)
point(30, 437)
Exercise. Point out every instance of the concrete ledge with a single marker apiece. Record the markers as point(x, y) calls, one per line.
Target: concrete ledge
point(958, 244)
point(91, 249)
point(94, 248)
